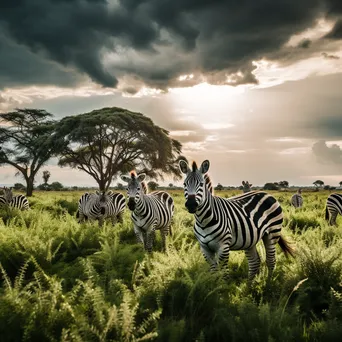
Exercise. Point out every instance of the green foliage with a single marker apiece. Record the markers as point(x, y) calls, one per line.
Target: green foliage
point(62, 281)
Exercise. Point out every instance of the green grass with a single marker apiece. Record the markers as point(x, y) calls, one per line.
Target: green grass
point(62, 281)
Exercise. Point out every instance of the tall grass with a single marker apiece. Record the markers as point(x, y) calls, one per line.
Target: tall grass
point(62, 281)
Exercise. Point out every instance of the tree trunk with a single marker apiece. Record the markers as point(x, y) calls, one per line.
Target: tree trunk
point(102, 185)
point(29, 187)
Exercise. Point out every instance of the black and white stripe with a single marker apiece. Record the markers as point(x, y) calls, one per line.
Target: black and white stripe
point(297, 199)
point(19, 201)
point(101, 205)
point(150, 211)
point(236, 223)
point(333, 208)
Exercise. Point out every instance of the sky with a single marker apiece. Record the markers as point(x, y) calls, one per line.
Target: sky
point(253, 86)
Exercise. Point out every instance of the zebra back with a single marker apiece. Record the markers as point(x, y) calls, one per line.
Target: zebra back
point(297, 200)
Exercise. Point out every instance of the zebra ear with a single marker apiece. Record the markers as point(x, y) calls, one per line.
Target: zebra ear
point(141, 177)
point(205, 166)
point(125, 178)
point(184, 167)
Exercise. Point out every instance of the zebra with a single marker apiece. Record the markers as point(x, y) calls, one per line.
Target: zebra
point(297, 199)
point(150, 211)
point(333, 207)
point(100, 205)
point(19, 201)
point(236, 223)
point(246, 187)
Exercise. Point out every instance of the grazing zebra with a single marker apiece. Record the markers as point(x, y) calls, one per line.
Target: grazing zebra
point(19, 201)
point(101, 205)
point(246, 187)
point(236, 223)
point(297, 199)
point(150, 211)
point(333, 207)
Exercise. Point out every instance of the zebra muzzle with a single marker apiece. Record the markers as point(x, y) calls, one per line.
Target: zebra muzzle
point(191, 204)
point(131, 204)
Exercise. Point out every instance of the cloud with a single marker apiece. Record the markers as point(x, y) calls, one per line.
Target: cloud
point(152, 42)
point(326, 154)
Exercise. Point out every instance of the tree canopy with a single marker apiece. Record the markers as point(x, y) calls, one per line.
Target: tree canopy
point(109, 141)
point(27, 142)
point(318, 183)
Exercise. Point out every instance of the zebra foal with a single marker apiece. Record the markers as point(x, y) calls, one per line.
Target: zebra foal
point(297, 199)
point(236, 223)
point(101, 205)
point(19, 201)
point(150, 211)
point(333, 208)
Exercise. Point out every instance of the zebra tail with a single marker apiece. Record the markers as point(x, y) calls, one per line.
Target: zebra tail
point(326, 213)
point(286, 248)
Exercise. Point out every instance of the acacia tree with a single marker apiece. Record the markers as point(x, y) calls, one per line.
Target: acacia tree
point(318, 183)
point(46, 176)
point(107, 141)
point(27, 142)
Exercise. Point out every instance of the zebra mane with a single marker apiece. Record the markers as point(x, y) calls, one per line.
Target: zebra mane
point(144, 187)
point(208, 183)
point(194, 166)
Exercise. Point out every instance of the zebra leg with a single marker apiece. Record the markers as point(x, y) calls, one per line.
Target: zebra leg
point(164, 233)
point(223, 256)
point(270, 253)
point(139, 235)
point(209, 257)
point(253, 262)
point(333, 217)
point(150, 235)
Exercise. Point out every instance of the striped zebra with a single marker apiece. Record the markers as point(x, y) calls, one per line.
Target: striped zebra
point(236, 223)
point(333, 207)
point(101, 205)
point(150, 211)
point(297, 199)
point(19, 201)
point(246, 187)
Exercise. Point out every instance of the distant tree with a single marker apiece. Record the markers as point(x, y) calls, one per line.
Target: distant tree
point(283, 184)
point(318, 183)
point(19, 186)
point(56, 186)
point(340, 183)
point(109, 141)
point(271, 186)
point(152, 185)
point(46, 176)
point(219, 187)
point(327, 187)
point(120, 186)
point(170, 185)
point(27, 142)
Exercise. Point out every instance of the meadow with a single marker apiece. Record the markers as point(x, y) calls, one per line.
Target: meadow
point(62, 281)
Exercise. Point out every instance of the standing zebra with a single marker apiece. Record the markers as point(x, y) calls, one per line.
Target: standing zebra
point(19, 201)
point(150, 211)
point(297, 199)
point(246, 187)
point(236, 223)
point(333, 207)
point(101, 205)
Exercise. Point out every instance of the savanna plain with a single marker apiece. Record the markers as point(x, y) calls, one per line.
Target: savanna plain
point(64, 281)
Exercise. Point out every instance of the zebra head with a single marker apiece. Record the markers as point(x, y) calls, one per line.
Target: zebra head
point(246, 186)
point(194, 184)
point(8, 195)
point(134, 188)
point(102, 195)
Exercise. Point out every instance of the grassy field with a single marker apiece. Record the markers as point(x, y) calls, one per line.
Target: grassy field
point(61, 281)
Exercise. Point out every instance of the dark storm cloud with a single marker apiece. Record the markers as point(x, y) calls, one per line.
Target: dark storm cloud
point(326, 154)
point(156, 41)
point(19, 66)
